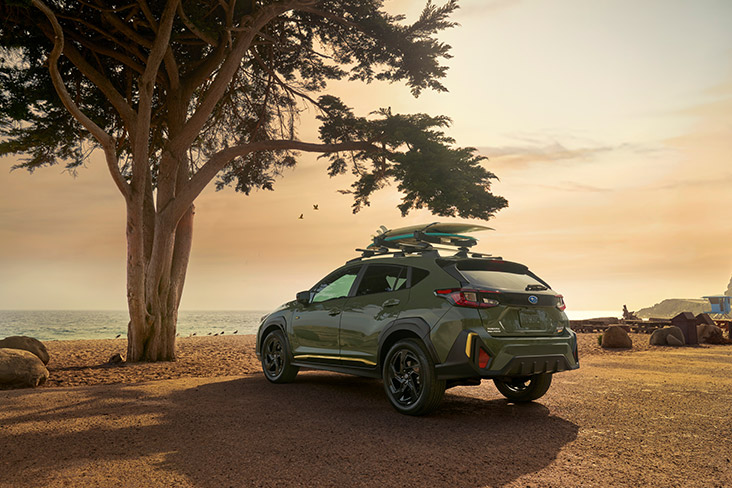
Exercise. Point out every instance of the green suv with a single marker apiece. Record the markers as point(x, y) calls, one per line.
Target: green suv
point(424, 321)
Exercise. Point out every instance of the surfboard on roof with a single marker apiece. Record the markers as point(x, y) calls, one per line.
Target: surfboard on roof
point(434, 233)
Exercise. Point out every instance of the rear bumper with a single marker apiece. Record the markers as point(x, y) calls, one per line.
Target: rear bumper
point(508, 356)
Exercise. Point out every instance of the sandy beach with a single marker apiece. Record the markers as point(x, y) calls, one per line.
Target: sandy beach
point(647, 417)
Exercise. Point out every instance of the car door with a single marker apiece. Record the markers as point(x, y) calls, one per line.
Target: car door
point(315, 325)
point(381, 294)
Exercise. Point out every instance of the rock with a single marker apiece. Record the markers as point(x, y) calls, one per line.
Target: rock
point(616, 337)
point(27, 344)
point(115, 359)
point(704, 318)
point(674, 341)
point(709, 334)
point(686, 321)
point(20, 368)
point(660, 337)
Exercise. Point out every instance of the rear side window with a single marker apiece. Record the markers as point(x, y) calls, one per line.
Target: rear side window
point(418, 275)
point(380, 278)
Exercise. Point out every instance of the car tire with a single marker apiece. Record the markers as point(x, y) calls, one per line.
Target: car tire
point(525, 388)
point(276, 359)
point(410, 381)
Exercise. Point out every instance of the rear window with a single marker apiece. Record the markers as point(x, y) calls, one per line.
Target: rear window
point(503, 280)
point(498, 274)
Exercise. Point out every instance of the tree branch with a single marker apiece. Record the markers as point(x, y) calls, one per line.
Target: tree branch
point(192, 27)
point(146, 85)
point(184, 199)
point(104, 139)
point(284, 85)
point(219, 85)
point(101, 81)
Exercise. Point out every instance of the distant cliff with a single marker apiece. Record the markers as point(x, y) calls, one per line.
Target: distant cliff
point(674, 306)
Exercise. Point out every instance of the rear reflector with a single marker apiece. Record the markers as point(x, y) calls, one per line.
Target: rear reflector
point(483, 358)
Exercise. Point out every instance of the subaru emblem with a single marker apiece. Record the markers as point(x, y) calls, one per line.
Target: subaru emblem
point(533, 299)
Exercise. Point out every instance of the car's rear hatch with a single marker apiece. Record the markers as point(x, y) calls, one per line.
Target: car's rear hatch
point(526, 305)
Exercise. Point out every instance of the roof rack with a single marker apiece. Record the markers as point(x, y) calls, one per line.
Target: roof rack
point(404, 249)
point(401, 252)
point(428, 238)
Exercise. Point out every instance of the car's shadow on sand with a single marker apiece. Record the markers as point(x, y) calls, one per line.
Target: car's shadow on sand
point(322, 430)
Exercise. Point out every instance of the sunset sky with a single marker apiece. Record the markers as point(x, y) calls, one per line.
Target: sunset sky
point(609, 124)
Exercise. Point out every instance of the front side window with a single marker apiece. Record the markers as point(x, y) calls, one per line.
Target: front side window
point(380, 278)
point(335, 286)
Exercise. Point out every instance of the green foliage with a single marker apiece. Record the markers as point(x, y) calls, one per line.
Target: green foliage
point(415, 152)
point(286, 69)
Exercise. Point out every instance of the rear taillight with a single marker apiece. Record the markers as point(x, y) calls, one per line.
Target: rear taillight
point(468, 298)
point(560, 303)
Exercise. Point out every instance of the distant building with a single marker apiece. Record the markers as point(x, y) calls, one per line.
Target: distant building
point(721, 304)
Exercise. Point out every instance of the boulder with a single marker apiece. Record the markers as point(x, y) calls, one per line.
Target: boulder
point(709, 334)
point(115, 359)
point(704, 318)
point(686, 321)
point(27, 344)
point(20, 368)
point(616, 337)
point(674, 341)
point(660, 337)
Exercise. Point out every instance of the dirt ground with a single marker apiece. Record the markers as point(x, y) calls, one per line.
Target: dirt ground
point(647, 417)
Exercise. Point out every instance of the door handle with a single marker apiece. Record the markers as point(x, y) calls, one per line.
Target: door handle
point(333, 312)
point(391, 302)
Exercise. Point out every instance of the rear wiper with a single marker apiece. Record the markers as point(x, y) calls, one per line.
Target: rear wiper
point(535, 288)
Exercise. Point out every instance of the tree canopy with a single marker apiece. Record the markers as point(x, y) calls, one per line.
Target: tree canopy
point(293, 49)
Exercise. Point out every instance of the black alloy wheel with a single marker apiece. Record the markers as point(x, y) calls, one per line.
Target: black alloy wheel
point(275, 359)
point(404, 377)
point(409, 379)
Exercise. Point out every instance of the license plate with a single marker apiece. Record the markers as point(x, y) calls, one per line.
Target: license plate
point(532, 319)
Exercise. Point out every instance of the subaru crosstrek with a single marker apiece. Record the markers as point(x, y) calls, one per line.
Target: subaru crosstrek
point(423, 322)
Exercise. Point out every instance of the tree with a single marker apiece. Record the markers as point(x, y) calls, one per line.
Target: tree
point(177, 94)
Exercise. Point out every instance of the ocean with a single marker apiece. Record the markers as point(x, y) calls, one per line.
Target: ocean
point(49, 325)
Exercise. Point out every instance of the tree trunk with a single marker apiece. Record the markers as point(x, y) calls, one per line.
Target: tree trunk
point(155, 280)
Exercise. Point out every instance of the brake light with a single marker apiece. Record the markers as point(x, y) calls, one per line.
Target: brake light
point(483, 358)
point(468, 298)
point(560, 303)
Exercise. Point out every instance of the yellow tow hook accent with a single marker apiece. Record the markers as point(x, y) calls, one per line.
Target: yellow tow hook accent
point(469, 344)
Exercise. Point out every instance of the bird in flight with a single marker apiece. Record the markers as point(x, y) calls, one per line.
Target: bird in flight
point(300, 217)
point(315, 207)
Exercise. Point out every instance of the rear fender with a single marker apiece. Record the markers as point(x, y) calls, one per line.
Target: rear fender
point(403, 328)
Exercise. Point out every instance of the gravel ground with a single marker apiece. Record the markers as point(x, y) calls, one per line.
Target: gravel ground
point(647, 417)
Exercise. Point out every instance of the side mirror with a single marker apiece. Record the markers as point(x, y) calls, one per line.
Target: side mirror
point(303, 297)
